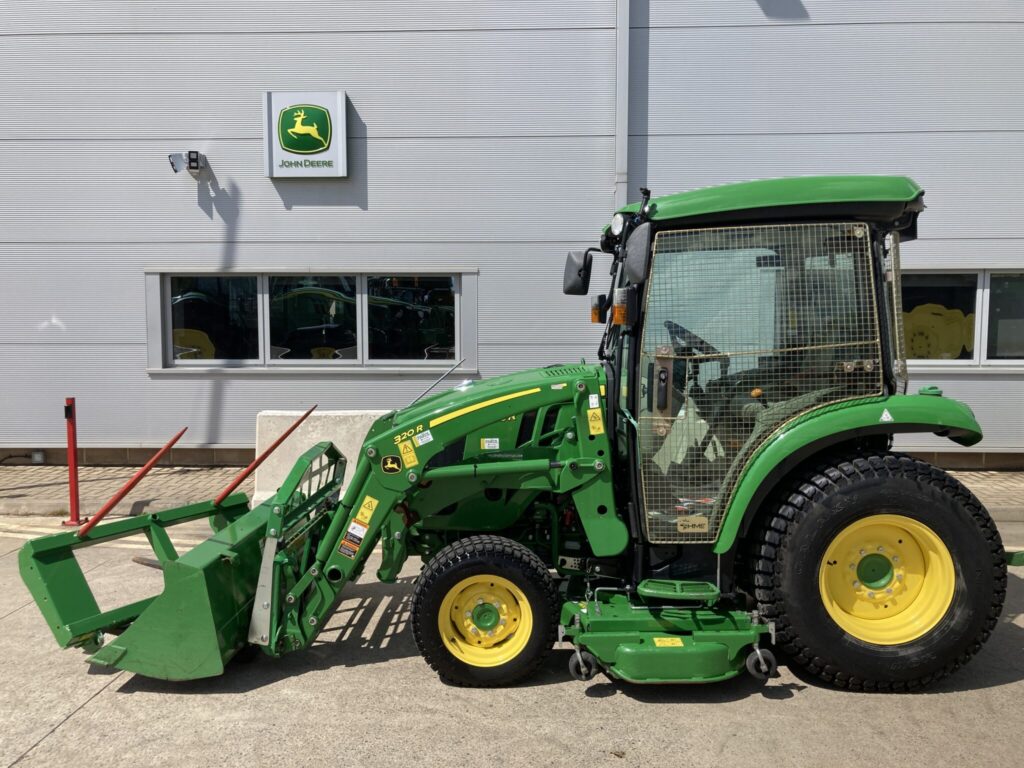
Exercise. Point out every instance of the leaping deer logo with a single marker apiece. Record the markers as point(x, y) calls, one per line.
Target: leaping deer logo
point(305, 130)
point(390, 465)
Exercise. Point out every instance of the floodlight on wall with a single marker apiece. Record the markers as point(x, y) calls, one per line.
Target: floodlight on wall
point(192, 161)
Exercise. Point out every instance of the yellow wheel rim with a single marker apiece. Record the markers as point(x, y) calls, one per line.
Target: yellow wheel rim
point(485, 621)
point(887, 579)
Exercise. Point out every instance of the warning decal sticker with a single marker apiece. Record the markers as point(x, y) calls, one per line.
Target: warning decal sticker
point(408, 454)
point(668, 642)
point(366, 510)
point(595, 421)
point(353, 539)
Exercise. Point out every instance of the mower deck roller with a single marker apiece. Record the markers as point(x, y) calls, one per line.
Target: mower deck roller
point(202, 617)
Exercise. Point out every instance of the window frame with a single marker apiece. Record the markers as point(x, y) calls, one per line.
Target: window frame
point(160, 348)
point(167, 352)
point(985, 359)
point(980, 318)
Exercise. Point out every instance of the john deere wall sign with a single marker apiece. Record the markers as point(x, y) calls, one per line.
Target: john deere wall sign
point(304, 134)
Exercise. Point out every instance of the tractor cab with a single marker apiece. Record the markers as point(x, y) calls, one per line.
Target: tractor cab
point(732, 311)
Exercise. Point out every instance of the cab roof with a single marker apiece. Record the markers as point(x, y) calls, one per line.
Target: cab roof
point(895, 199)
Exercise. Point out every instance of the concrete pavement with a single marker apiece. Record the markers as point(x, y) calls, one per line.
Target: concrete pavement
point(31, 490)
point(363, 697)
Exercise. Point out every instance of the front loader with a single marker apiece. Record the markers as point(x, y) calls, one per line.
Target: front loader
point(720, 483)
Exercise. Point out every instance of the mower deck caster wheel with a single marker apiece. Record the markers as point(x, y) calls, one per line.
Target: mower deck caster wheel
point(583, 666)
point(761, 664)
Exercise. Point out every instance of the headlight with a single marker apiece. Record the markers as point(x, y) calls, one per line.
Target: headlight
point(618, 224)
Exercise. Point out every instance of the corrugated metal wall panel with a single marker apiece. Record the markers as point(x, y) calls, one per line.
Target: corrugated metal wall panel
point(996, 399)
point(727, 90)
point(503, 83)
point(716, 13)
point(826, 79)
point(481, 138)
point(965, 253)
point(971, 180)
point(417, 189)
point(42, 17)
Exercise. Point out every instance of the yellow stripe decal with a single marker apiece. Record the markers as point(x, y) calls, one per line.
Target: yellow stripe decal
point(470, 408)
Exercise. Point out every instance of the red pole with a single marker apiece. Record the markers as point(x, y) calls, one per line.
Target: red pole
point(259, 459)
point(129, 485)
point(69, 417)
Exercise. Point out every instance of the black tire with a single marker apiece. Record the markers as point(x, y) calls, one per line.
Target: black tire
point(485, 555)
point(793, 539)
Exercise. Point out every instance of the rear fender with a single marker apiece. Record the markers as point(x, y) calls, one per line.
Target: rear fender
point(815, 431)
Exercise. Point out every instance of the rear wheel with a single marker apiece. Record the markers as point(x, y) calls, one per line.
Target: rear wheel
point(485, 612)
point(881, 573)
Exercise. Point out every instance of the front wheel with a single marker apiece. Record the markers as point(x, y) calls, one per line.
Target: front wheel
point(485, 612)
point(881, 573)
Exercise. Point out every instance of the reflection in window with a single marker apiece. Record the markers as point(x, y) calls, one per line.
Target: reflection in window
point(213, 318)
point(1006, 317)
point(938, 316)
point(313, 317)
point(411, 317)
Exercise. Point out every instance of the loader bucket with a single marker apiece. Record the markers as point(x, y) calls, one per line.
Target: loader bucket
point(189, 630)
point(201, 619)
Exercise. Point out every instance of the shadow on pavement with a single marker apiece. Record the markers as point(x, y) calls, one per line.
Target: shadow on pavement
point(372, 627)
point(999, 662)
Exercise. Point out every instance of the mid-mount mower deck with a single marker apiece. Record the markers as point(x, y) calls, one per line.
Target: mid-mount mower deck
point(719, 484)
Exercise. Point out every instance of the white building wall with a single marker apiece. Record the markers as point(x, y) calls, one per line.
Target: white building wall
point(481, 137)
point(727, 91)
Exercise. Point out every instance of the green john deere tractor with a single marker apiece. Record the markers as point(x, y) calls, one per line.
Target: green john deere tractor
point(720, 483)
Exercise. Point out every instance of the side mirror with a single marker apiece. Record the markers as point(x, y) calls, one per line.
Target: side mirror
point(638, 253)
point(576, 280)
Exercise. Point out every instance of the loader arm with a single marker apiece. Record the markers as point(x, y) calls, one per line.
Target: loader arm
point(380, 503)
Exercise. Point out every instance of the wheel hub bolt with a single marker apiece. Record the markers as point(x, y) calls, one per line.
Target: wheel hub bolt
point(863, 552)
point(871, 594)
point(888, 591)
point(479, 601)
point(468, 614)
point(856, 584)
point(895, 558)
point(881, 549)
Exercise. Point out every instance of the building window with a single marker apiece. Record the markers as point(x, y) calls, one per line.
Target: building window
point(313, 317)
point(411, 317)
point(376, 321)
point(938, 315)
point(1005, 317)
point(213, 318)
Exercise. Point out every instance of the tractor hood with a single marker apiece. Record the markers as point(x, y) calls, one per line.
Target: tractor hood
point(472, 396)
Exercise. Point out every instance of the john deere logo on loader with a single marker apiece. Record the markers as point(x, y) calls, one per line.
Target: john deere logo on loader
point(391, 465)
point(304, 129)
